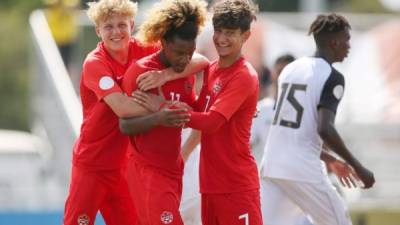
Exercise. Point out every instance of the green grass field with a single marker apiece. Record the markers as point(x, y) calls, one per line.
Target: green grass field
point(376, 217)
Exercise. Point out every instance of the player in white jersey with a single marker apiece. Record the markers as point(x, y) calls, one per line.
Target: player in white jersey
point(310, 90)
point(259, 132)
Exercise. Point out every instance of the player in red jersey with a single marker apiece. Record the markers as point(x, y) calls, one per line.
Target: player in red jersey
point(98, 181)
point(156, 166)
point(229, 181)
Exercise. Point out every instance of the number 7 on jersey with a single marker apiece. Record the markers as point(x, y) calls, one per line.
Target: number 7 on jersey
point(245, 217)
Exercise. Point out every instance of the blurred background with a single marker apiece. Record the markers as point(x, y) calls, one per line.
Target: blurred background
point(44, 42)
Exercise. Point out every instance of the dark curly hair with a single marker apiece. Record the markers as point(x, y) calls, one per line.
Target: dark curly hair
point(325, 25)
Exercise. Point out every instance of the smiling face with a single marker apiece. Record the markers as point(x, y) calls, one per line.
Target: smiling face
point(178, 52)
point(115, 32)
point(229, 42)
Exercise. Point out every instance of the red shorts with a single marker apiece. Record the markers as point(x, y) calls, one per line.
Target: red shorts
point(157, 196)
point(104, 191)
point(241, 208)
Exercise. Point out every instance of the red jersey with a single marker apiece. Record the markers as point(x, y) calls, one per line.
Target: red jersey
point(226, 162)
point(101, 145)
point(161, 146)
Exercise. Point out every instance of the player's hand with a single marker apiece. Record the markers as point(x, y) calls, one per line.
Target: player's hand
point(366, 176)
point(344, 172)
point(173, 117)
point(149, 101)
point(177, 104)
point(151, 79)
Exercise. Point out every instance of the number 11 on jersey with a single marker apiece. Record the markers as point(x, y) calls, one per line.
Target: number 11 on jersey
point(175, 96)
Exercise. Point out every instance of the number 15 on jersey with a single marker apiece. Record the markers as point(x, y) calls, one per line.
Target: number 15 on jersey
point(288, 95)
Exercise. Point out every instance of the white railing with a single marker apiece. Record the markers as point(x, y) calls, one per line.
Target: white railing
point(55, 103)
point(56, 68)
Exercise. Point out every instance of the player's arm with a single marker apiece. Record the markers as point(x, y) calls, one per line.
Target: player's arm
point(330, 136)
point(153, 79)
point(207, 122)
point(142, 122)
point(97, 76)
point(124, 106)
point(190, 144)
point(165, 117)
point(331, 95)
point(226, 104)
point(162, 114)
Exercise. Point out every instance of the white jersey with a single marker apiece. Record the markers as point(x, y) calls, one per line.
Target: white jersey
point(260, 127)
point(294, 147)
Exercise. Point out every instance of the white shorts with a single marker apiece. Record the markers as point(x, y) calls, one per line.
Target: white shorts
point(287, 202)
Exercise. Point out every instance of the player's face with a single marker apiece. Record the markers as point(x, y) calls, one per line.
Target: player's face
point(178, 52)
point(342, 45)
point(115, 32)
point(229, 42)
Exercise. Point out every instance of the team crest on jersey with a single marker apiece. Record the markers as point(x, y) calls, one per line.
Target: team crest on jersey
point(83, 219)
point(167, 217)
point(217, 87)
point(119, 77)
point(188, 87)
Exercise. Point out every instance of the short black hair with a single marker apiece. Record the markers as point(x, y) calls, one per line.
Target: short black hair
point(234, 14)
point(325, 25)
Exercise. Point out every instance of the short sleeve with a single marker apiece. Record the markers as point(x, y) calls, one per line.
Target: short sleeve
point(140, 50)
point(198, 105)
point(129, 84)
point(234, 94)
point(98, 77)
point(148, 50)
point(332, 91)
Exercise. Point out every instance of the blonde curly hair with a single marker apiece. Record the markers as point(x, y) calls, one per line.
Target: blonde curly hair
point(170, 15)
point(104, 9)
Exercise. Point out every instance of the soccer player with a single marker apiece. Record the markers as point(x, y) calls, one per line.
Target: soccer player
point(229, 182)
point(259, 134)
point(99, 156)
point(156, 166)
point(310, 90)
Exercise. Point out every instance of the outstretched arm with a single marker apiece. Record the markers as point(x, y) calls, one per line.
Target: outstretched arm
point(153, 79)
point(165, 117)
point(332, 139)
point(124, 106)
point(207, 122)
